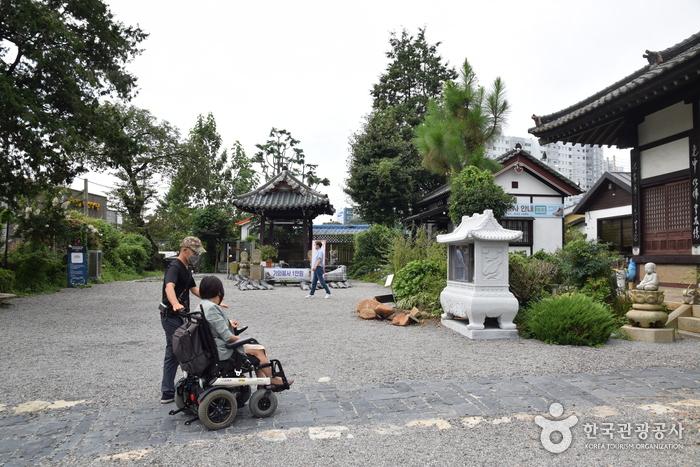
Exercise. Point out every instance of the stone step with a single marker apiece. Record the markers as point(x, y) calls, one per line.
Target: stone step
point(696, 311)
point(689, 323)
point(688, 334)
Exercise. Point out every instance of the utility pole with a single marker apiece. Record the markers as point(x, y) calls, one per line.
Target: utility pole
point(85, 196)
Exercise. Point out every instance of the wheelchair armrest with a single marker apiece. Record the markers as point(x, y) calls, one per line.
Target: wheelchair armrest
point(240, 342)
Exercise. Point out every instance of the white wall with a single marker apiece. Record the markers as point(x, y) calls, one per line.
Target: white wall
point(667, 158)
point(666, 122)
point(593, 216)
point(527, 184)
point(547, 233)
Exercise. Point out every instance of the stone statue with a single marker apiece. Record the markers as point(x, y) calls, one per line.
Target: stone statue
point(650, 280)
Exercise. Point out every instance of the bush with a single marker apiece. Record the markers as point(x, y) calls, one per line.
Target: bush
point(130, 256)
point(268, 252)
point(419, 284)
point(580, 260)
point(531, 278)
point(37, 269)
point(570, 319)
point(372, 248)
point(421, 246)
point(472, 191)
point(7, 280)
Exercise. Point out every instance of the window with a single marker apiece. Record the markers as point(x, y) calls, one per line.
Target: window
point(524, 225)
point(514, 184)
point(666, 218)
point(617, 232)
point(462, 263)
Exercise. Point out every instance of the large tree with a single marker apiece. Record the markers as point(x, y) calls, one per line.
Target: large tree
point(139, 150)
point(57, 60)
point(459, 124)
point(415, 73)
point(282, 150)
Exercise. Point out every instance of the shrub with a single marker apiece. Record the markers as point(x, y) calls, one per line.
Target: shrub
point(268, 252)
point(7, 280)
point(372, 248)
point(419, 284)
point(37, 269)
point(580, 260)
point(130, 256)
point(570, 319)
point(472, 191)
point(531, 278)
point(406, 249)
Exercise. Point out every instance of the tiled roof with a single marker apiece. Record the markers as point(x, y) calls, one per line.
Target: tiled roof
point(339, 229)
point(676, 66)
point(480, 227)
point(621, 179)
point(284, 193)
point(504, 158)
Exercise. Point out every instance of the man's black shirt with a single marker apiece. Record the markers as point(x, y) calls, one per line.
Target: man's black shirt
point(181, 276)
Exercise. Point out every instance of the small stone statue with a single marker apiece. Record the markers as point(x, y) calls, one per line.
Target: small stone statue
point(650, 280)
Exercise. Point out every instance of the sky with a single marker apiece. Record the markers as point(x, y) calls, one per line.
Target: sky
point(308, 66)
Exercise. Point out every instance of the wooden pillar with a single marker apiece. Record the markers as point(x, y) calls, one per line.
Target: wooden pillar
point(262, 230)
point(271, 232)
point(695, 180)
point(636, 179)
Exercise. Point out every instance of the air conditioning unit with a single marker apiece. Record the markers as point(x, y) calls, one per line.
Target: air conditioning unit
point(94, 264)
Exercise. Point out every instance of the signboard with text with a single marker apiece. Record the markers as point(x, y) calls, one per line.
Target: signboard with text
point(536, 210)
point(77, 266)
point(287, 274)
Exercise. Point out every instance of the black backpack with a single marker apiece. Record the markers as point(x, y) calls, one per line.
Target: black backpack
point(190, 345)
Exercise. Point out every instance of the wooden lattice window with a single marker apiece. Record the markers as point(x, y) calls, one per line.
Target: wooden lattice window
point(666, 218)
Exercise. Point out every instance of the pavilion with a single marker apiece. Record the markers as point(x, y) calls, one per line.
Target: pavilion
point(286, 208)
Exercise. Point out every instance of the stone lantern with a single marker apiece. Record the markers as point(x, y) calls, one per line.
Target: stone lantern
point(477, 278)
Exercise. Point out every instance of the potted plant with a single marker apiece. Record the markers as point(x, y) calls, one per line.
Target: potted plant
point(269, 253)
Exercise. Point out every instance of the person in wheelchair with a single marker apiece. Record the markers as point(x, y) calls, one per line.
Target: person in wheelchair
point(211, 291)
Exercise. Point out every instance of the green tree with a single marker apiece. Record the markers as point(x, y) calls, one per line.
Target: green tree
point(459, 124)
point(415, 73)
point(58, 59)
point(212, 224)
point(282, 150)
point(472, 191)
point(139, 150)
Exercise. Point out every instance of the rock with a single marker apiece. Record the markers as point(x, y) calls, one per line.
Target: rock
point(366, 313)
point(383, 310)
point(368, 303)
point(401, 319)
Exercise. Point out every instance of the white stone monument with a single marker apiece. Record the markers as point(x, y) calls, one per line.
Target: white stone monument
point(477, 278)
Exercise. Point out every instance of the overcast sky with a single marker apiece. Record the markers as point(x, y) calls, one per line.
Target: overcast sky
point(309, 66)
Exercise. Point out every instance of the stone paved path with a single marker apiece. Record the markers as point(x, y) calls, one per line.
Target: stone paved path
point(88, 431)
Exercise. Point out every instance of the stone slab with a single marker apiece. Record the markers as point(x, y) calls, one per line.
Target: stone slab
point(479, 334)
point(689, 323)
point(655, 335)
point(256, 272)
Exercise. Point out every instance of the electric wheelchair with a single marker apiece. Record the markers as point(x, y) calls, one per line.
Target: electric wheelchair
point(215, 396)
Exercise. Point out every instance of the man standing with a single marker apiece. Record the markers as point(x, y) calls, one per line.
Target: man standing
point(177, 285)
point(317, 263)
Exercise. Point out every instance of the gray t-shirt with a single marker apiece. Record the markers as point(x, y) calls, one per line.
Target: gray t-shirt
point(319, 256)
point(220, 328)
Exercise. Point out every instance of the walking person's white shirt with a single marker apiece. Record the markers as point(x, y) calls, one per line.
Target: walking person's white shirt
point(318, 261)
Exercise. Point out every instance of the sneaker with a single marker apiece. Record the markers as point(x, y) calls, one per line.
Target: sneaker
point(327, 295)
point(309, 296)
point(167, 399)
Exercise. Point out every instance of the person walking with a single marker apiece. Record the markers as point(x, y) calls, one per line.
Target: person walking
point(317, 265)
point(177, 285)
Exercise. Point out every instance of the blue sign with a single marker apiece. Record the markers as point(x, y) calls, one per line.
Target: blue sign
point(77, 266)
point(536, 210)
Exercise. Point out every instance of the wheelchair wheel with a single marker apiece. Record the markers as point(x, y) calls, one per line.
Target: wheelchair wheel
point(218, 409)
point(262, 403)
point(242, 396)
point(179, 394)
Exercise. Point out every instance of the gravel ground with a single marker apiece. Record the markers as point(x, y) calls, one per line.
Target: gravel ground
point(89, 343)
point(104, 344)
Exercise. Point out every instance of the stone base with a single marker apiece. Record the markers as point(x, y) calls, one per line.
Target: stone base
point(660, 335)
point(460, 327)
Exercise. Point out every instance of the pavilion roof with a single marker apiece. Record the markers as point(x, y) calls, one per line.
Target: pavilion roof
point(285, 196)
point(603, 117)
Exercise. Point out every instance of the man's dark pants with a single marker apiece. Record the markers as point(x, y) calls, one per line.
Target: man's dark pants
point(318, 277)
point(170, 324)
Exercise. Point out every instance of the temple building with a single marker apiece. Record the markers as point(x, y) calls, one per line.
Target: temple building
point(655, 112)
point(538, 212)
point(286, 208)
